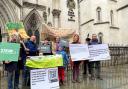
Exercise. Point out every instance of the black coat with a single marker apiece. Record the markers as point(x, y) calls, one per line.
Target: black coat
point(12, 66)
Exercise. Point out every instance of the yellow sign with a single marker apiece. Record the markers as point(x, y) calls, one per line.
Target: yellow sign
point(45, 61)
point(13, 28)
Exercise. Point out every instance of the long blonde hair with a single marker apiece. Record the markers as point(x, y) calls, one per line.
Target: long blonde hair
point(15, 38)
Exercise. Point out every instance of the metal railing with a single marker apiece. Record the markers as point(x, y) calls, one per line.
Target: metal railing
point(119, 56)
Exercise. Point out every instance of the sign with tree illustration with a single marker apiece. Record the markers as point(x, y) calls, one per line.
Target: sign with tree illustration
point(13, 28)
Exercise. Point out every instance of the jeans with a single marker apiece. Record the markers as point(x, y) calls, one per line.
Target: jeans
point(13, 79)
point(95, 68)
point(16, 79)
point(10, 80)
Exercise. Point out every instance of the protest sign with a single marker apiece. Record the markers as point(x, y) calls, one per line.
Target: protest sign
point(49, 61)
point(13, 28)
point(9, 51)
point(99, 52)
point(46, 48)
point(44, 78)
point(79, 52)
point(64, 43)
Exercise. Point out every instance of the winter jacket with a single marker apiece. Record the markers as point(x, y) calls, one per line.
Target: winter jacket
point(32, 48)
point(65, 57)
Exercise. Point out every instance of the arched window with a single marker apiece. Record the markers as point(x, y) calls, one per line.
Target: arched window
point(30, 32)
point(99, 14)
point(112, 17)
point(100, 36)
point(32, 24)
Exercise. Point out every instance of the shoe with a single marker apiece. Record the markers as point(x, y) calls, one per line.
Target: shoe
point(73, 81)
point(60, 83)
point(99, 78)
point(78, 81)
point(92, 78)
point(63, 83)
point(84, 73)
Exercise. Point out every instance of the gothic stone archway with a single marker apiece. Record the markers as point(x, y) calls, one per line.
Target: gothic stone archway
point(32, 24)
point(7, 14)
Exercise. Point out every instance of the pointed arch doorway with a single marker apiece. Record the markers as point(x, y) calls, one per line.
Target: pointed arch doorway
point(32, 24)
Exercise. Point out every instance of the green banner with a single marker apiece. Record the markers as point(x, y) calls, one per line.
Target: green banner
point(45, 61)
point(12, 25)
point(9, 51)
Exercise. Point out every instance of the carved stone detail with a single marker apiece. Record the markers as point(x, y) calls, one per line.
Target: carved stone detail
point(71, 4)
point(56, 12)
point(45, 16)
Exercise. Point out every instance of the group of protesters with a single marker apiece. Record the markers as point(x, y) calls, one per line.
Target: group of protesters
point(30, 48)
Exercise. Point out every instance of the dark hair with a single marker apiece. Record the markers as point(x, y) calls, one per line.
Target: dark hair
point(94, 34)
point(88, 39)
point(48, 39)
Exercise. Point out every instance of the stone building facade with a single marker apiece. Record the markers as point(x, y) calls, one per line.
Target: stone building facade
point(34, 13)
point(106, 18)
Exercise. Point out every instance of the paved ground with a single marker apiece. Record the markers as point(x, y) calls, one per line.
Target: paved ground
point(113, 78)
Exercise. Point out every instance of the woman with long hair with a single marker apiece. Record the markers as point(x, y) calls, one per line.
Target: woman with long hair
point(76, 64)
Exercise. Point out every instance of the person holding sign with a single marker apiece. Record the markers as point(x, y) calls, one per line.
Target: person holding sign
point(95, 64)
point(32, 47)
point(46, 47)
point(12, 67)
point(76, 64)
point(32, 50)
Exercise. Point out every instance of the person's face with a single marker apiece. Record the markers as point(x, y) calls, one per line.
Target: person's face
point(57, 39)
point(76, 38)
point(60, 48)
point(94, 37)
point(14, 38)
point(33, 38)
point(46, 41)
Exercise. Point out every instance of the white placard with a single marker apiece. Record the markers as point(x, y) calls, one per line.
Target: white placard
point(99, 52)
point(44, 78)
point(79, 52)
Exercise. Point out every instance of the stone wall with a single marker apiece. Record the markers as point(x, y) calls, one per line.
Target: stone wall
point(89, 21)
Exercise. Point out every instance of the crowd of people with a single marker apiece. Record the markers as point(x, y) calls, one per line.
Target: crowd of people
point(30, 48)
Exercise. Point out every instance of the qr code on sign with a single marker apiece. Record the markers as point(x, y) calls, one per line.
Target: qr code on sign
point(53, 75)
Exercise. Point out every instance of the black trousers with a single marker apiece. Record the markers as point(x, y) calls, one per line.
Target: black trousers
point(95, 68)
point(87, 67)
